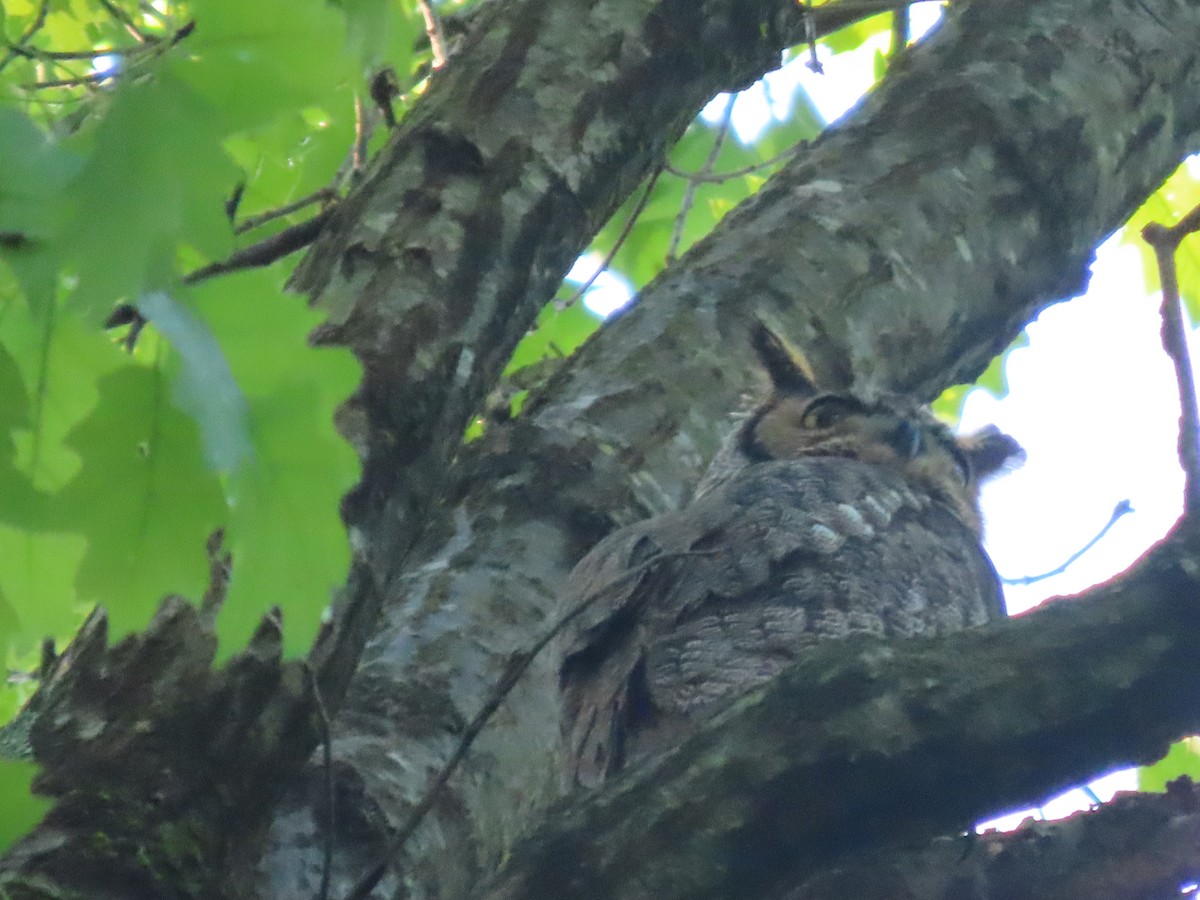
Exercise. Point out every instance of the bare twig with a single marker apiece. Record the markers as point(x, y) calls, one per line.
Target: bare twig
point(266, 251)
point(810, 36)
point(235, 200)
point(362, 134)
point(1165, 241)
point(34, 27)
point(220, 561)
point(126, 22)
point(826, 18)
point(689, 192)
point(516, 665)
point(88, 80)
point(619, 242)
point(259, 254)
point(863, 6)
point(330, 793)
point(901, 31)
point(148, 9)
point(187, 28)
point(64, 54)
point(148, 44)
point(719, 177)
point(323, 195)
point(433, 29)
point(1123, 507)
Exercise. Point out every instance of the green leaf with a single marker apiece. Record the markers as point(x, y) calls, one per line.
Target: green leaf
point(11, 633)
point(382, 31)
point(803, 123)
point(37, 583)
point(852, 36)
point(60, 362)
point(291, 158)
point(143, 498)
point(33, 203)
point(35, 173)
point(1178, 195)
point(367, 22)
point(880, 65)
point(251, 61)
point(1182, 759)
point(14, 415)
point(204, 388)
point(22, 810)
point(286, 537)
point(48, 380)
point(155, 179)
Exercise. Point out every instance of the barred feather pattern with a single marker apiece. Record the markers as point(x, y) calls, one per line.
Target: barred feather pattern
point(687, 610)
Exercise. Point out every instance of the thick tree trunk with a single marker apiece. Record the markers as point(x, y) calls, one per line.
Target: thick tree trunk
point(962, 197)
point(906, 246)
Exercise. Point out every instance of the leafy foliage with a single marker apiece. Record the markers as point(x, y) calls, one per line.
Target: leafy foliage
point(120, 454)
point(1166, 206)
point(21, 808)
point(1183, 759)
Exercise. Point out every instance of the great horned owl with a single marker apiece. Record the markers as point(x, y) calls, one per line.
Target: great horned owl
point(828, 514)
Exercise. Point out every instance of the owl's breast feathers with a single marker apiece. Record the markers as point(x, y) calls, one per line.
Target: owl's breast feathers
point(688, 609)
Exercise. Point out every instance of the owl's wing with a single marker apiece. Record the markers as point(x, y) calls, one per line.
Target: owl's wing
point(603, 648)
point(619, 595)
point(685, 610)
point(631, 587)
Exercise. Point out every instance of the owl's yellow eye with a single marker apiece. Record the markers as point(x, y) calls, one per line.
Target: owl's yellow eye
point(827, 411)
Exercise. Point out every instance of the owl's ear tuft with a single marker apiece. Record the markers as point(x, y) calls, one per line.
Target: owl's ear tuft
point(990, 450)
point(789, 371)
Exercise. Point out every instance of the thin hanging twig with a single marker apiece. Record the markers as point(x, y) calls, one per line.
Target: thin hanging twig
point(901, 31)
point(323, 195)
point(34, 27)
point(330, 792)
point(126, 22)
point(689, 192)
point(1122, 508)
point(720, 177)
point(619, 242)
point(433, 30)
point(1165, 241)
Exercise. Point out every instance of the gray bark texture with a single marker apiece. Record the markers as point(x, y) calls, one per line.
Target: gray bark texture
point(906, 247)
point(963, 196)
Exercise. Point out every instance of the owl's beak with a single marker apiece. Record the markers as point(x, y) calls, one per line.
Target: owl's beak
point(906, 439)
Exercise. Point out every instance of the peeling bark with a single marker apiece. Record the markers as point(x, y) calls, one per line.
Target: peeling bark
point(164, 770)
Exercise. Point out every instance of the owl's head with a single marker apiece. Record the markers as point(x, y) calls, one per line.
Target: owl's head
point(801, 420)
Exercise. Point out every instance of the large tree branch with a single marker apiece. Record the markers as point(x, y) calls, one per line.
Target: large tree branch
point(893, 246)
point(436, 267)
point(867, 742)
point(548, 116)
point(1136, 847)
point(163, 770)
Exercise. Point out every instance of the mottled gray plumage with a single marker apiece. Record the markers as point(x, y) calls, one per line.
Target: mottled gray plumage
point(869, 527)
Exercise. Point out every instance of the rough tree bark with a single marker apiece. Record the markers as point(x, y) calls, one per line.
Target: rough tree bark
point(963, 196)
